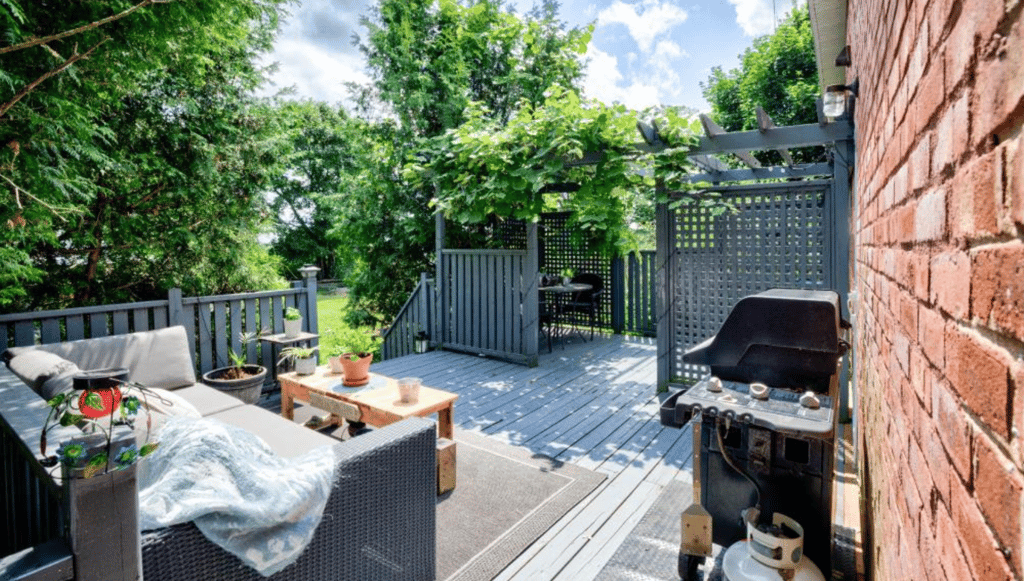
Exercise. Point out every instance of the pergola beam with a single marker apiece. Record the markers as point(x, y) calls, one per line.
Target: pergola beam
point(764, 123)
point(714, 131)
point(763, 173)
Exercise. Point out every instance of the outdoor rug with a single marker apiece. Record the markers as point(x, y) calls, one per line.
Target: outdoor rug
point(651, 551)
point(505, 498)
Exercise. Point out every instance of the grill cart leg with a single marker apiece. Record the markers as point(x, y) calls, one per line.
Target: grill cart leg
point(694, 523)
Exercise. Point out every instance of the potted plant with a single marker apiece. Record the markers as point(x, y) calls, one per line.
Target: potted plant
point(421, 341)
point(567, 276)
point(100, 404)
point(352, 353)
point(292, 322)
point(304, 359)
point(241, 380)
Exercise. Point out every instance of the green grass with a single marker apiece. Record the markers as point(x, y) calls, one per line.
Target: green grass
point(331, 310)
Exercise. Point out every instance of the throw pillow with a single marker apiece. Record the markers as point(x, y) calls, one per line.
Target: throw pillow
point(35, 367)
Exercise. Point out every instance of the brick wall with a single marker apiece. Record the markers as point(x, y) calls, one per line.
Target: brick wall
point(939, 253)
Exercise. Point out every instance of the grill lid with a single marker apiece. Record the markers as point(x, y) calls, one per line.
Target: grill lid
point(781, 337)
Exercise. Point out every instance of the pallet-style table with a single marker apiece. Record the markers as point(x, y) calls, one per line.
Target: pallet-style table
point(377, 404)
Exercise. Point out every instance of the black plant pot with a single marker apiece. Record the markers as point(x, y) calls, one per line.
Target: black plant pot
point(247, 389)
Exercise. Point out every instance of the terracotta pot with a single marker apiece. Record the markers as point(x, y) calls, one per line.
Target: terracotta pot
point(247, 388)
point(356, 372)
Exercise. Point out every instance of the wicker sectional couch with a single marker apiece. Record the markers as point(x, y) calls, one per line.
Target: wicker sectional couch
point(379, 522)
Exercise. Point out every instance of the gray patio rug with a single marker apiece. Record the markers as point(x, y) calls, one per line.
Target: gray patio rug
point(505, 498)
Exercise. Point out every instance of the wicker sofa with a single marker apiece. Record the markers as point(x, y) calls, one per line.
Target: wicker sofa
point(379, 522)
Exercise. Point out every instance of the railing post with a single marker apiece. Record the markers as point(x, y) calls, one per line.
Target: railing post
point(309, 282)
point(175, 311)
point(618, 295)
point(424, 303)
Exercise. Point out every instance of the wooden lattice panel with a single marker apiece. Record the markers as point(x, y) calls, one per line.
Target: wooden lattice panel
point(776, 239)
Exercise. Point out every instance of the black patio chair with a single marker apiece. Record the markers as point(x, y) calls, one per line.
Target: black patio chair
point(587, 302)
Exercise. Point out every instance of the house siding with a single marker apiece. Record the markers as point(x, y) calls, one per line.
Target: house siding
point(939, 258)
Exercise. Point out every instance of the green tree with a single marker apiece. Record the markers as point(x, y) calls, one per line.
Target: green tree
point(428, 61)
point(133, 152)
point(778, 72)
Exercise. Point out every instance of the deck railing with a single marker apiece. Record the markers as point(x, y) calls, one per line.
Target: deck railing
point(213, 323)
point(415, 315)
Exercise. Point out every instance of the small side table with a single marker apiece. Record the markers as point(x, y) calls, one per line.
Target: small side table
point(279, 341)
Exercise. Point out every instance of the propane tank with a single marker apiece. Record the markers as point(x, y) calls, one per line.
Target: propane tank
point(773, 553)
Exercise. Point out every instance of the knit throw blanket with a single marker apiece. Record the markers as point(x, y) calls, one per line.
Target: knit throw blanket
point(258, 506)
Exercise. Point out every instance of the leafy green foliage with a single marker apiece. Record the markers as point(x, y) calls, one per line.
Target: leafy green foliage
point(483, 168)
point(778, 72)
point(138, 168)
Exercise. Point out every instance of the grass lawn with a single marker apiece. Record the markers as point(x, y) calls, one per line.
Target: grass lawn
point(331, 310)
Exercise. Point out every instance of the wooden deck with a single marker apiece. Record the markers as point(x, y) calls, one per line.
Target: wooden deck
point(590, 403)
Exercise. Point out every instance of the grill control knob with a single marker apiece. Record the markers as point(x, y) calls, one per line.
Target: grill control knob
point(810, 400)
point(758, 391)
point(714, 384)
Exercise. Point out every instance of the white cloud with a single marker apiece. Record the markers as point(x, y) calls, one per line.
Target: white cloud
point(603, 81)
point(314, 72)
point(669, 49)
point(757, 17)
point(653, 19)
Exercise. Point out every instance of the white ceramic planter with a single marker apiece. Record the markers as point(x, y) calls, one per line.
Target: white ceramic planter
point(306, 366)
point(292, 328)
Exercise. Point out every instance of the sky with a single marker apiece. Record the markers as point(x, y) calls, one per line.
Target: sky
point(643, 52)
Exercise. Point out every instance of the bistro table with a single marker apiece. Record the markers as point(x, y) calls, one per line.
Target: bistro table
point(558, 293)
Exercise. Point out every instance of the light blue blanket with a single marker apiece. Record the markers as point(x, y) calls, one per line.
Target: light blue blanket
point(258, 506)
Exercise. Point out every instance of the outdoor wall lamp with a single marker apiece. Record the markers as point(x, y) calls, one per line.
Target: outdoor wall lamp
point(834, 102)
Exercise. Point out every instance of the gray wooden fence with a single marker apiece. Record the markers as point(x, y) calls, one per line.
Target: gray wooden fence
point(481, 307)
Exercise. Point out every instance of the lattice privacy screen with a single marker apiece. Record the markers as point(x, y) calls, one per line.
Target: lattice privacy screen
point(777, 239)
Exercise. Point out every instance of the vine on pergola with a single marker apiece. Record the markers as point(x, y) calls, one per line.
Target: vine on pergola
point(483, 168)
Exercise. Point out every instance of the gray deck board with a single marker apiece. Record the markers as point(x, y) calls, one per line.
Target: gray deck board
point(589, 403)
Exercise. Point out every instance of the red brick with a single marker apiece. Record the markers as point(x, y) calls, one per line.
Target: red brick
point(930, 216)
point(1014, 192)
point(920, 167)
point(943, 146)
point(947, 541)
point(975, 197)
point(931, 335)
point(997, 287)
point(1017, 378)
point(986, 560)
point(919, 372)
point(999, 86)
point(908, 314)
point(961, 112)
point(978, 372)
point(955, 430)
point(999, 488)
point(950, 283)
point(939, 465)
point(905, 227)
point(931, 94)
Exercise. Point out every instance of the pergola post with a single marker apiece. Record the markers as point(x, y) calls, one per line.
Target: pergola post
point(531, 315)
point(437, 332)
point(665, 286)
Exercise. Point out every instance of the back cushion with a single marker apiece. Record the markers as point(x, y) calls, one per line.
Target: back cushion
point(158, 358)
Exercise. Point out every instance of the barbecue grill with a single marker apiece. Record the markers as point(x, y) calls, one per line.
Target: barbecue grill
point(765, 417)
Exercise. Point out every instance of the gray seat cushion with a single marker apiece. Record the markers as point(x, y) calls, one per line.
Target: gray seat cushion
point(206, 399)
point(285, 438)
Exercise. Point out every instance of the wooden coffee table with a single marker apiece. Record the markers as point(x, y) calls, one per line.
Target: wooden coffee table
point(378, 404)
point(377, 401)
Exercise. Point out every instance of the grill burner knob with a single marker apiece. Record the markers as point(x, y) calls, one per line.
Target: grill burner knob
point(810, 400)
point(714, 384)
point(759, 391)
